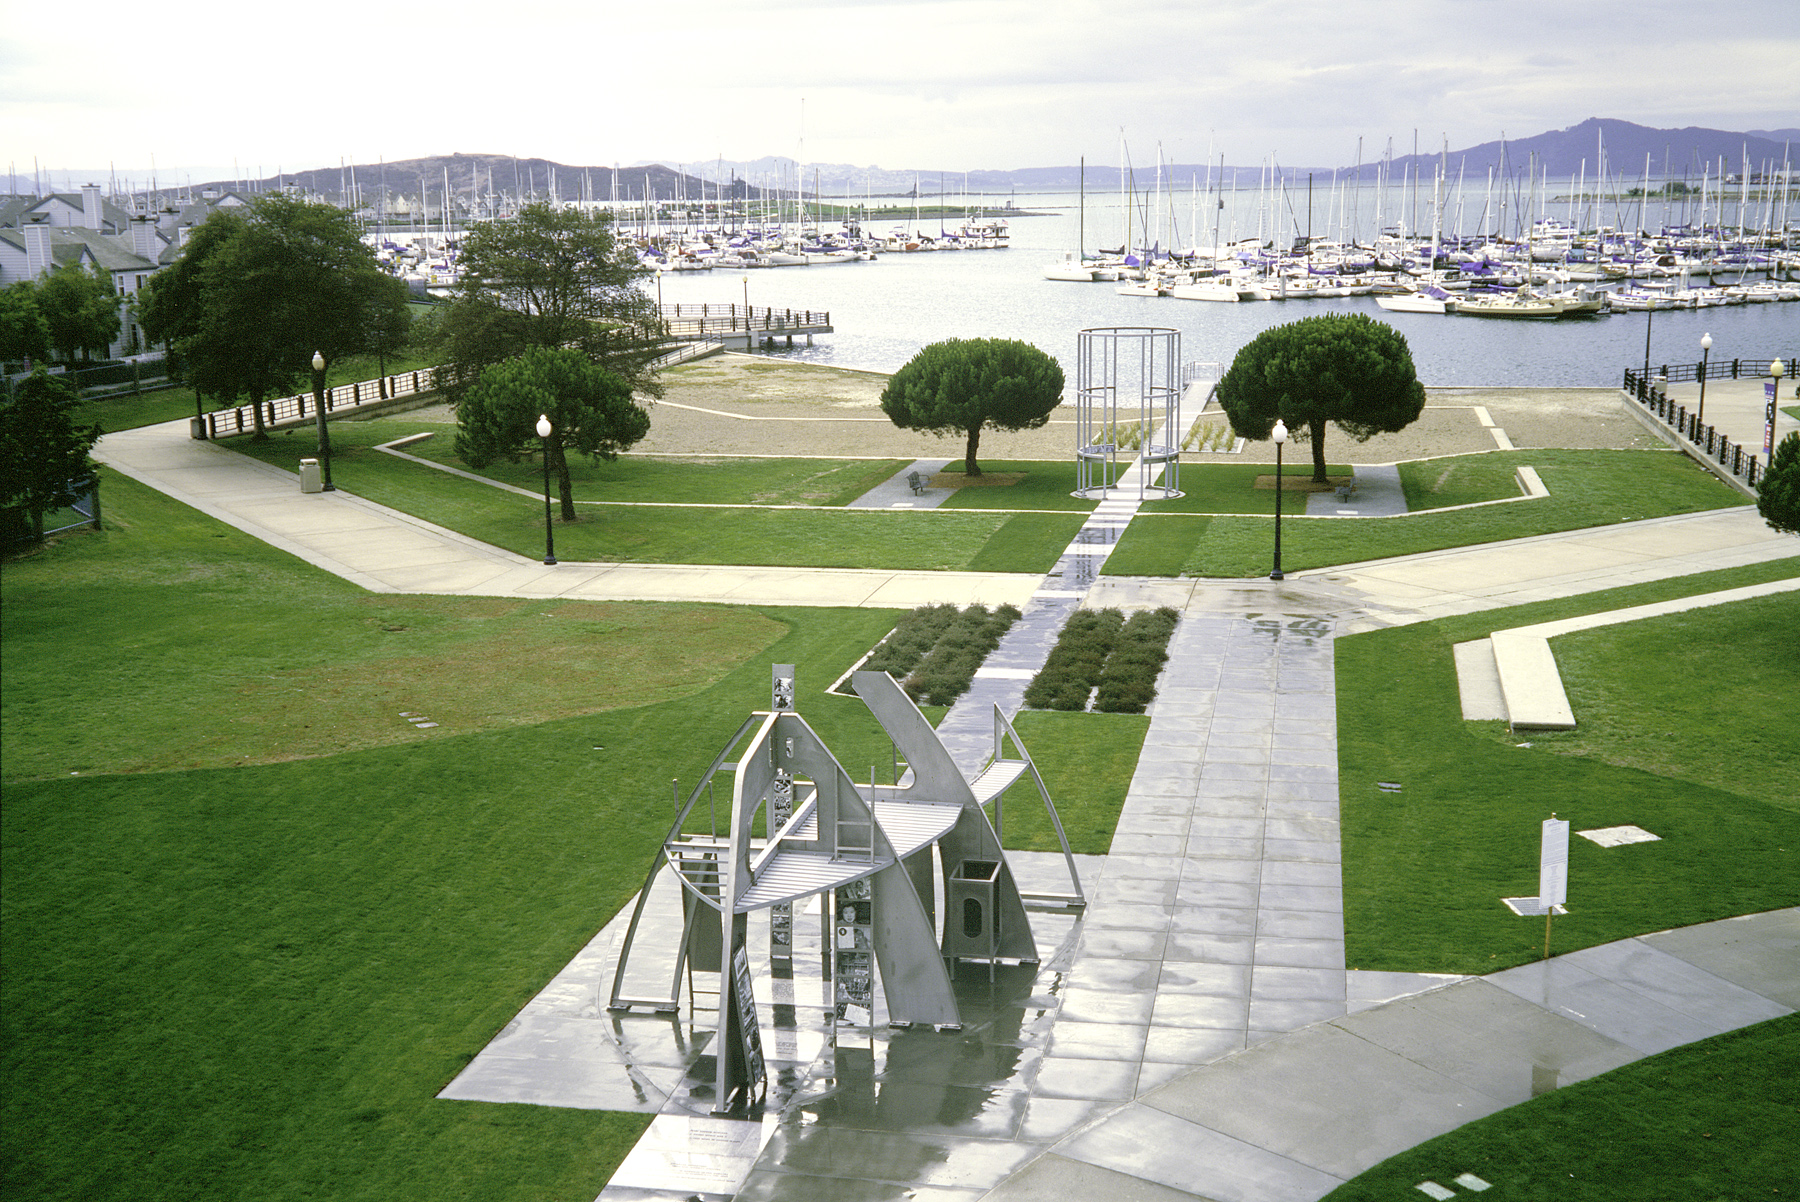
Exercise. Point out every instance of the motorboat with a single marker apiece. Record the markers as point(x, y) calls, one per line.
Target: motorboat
point(1428, 299)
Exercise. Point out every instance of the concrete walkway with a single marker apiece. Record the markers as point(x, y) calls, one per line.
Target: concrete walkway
point(387, 551)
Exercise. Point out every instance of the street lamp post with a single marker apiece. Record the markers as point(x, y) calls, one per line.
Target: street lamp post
point(1776, 370)
point(1280, 434)
point(318, 366)
point(543, 429)
point(747, 344)
point(1705, 354)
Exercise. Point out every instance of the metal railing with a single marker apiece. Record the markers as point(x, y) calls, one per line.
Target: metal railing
point(1689, 373)
point(1703, 442)
point(712, 321)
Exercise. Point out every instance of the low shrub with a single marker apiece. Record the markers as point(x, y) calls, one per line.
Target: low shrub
point(1128, 680)
point(912, 639)
point(1074, 665)
point(965, 641)
point(1103, 656)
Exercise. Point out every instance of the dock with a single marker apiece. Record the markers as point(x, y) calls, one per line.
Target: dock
point(742, 327)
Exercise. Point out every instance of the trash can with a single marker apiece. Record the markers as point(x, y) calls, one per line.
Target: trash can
point(197, 429)
point(309, 476)
point(971, 926)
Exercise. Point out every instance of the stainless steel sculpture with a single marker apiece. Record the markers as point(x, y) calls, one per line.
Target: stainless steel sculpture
point(1127, 388)
point(867, 849)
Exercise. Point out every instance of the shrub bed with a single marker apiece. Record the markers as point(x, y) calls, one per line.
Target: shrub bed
point(912, 639)
point(1073, 667)
point(1099, 649)
point(944, 673)
point(1128, 680)
point(934, 650)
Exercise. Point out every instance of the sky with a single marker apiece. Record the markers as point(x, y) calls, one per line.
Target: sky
point(203, 89)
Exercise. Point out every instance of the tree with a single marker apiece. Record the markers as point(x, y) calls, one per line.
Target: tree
point(81, 310)
point(965, 384)
point(172, 302)
point(590, 409)
point(1778, 494)
point(24, 334)
point(43, 454)
point(1338, 367)
point(550, 278)
point(269, 288)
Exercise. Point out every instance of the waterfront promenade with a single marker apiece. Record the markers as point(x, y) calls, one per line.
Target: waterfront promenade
point(1170, 1044)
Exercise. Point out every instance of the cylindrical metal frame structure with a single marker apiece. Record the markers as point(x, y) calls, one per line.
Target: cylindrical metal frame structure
point(1127, 373)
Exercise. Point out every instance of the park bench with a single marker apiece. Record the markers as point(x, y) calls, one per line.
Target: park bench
point(916, 482)
point(1346, 491)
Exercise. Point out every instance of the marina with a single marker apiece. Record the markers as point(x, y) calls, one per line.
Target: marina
point(883, 311)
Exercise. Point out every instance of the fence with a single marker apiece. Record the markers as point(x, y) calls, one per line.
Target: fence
point(223, 423)
point(107, 380)
point(1703, 442)
point(1689, 373)
point(19, 529)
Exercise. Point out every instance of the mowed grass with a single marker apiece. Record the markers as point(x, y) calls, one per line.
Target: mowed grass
point(1713, 1119)
point(742, 531)
point(251, 981)
point(1425, 868)
point(1087, 761)
point(173, 641)
point(1587, 488)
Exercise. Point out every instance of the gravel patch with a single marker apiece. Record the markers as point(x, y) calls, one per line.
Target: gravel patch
point(736, 404)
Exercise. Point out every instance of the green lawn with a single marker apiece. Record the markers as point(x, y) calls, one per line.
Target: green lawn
point(1587, 488)
point(922, 540)
point(1663, 1127)
point(1425, 868)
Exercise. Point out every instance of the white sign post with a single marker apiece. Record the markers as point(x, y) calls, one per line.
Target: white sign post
point(1553, 872)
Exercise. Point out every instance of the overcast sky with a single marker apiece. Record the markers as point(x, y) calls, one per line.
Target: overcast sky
point(953, 85)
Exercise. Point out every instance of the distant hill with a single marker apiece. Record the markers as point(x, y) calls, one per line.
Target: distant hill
point(1559, 154)
point(1563, 153)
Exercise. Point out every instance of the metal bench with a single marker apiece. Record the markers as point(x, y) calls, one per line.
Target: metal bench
point(916, 482)
point(1346, 491)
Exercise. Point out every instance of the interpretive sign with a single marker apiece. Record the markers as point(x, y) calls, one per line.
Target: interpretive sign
point(1553, 864)
point(748, 1044)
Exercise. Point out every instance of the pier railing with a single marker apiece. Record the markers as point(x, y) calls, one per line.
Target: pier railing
point(687, 321)
point(1703, 442)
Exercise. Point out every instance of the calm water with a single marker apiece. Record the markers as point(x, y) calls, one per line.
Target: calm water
point(886, 310)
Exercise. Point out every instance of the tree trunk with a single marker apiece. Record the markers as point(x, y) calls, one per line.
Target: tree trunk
point(970, 467)
point(262, 433)
point(565, 488)
point(1317, 429)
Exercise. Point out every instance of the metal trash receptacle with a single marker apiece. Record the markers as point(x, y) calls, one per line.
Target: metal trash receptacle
point(971, 924)
point(309, 476)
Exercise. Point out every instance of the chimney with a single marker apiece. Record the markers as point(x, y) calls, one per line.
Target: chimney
point(144, 242)
point(90, 206)
point(37, 250)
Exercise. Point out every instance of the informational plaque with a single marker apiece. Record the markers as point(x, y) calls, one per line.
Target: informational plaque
point(1553, 865)
point(748, 1044)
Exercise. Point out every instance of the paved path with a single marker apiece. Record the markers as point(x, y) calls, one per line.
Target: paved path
point(387, 551)
point(1215, 934)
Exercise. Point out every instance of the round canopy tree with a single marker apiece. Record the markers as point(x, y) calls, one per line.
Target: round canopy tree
point(1339, 367)
point(590, 409)
point(963, 384)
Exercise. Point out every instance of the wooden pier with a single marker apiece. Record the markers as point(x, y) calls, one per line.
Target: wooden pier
point(743, 327)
